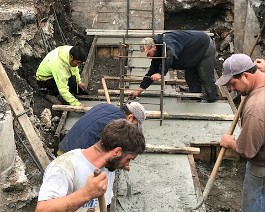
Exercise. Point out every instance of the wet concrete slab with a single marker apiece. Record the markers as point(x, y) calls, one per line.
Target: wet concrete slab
point(164, 182)
point(159, 183)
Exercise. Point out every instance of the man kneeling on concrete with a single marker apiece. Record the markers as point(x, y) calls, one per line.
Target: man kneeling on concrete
point(58, 73)
point(87, 130)
point(68, 183)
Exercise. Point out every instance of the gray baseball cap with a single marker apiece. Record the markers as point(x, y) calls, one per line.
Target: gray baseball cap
point(233, 65)
point(138, 112)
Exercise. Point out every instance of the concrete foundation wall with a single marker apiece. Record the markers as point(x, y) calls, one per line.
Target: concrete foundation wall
point(7, 142)
point(112, 14)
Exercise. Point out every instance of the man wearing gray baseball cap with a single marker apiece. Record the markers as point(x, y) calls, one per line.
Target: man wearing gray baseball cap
point(234, 65)
point(243, 76)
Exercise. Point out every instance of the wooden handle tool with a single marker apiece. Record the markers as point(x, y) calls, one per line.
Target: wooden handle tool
point(101, 200)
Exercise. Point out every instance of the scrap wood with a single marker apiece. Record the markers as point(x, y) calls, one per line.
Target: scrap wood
point(139, 79)
point(156, 114)
point(150, 93)
point(14, 102)
point(171, 149)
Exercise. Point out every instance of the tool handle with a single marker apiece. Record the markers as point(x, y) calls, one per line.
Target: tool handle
point(103, 81)
point(101, 200)
point(220, 157)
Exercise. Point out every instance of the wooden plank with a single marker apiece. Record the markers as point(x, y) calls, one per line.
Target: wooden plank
point(86, 73)
point(59, 128)
point(225, 93)
point(139, 79)
point(27, 127)
point(196, 181)
point(171, 149)
point(150, 94)
point(96, 98)
point(220, 88)
point(131, 33)
point(156, 114)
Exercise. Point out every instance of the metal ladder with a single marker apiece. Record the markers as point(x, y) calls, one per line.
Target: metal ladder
point(123, 56)
point(129, 9)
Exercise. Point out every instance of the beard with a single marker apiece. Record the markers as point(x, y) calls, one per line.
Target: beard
point(113, 164)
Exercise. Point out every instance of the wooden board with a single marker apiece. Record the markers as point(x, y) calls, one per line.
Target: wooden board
point(27, 127)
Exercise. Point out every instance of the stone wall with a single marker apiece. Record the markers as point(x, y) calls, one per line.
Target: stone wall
point(112, 14)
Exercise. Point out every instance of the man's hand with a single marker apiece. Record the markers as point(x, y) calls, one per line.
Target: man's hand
point(82, 86)
point(135, 93)
point(96, 186)
point(126, 168)
point(260, 63)
point(156, 77)
point(228, 141)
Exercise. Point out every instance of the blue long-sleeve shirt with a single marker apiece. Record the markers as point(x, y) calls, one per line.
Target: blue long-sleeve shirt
point(87, 130)
point(184, 49)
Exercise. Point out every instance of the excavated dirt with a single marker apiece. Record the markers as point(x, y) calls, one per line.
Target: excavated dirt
point(227, 191)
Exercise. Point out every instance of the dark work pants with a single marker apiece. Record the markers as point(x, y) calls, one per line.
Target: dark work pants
point(52, 89)
point(203, 75)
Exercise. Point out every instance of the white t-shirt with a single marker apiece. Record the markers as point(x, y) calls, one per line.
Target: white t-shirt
point(69, 173)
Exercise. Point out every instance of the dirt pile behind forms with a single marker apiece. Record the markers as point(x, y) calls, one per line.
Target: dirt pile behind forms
point(226, 194)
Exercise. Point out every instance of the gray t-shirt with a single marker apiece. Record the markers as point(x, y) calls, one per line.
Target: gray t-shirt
point(69, 173)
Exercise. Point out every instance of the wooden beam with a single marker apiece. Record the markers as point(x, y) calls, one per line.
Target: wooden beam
point(131, 33)
point(86, 73)
point(192, 116)
point(96, 98)
point(156, 114)
point(171, 149)
point(149, 93)
point(139, 79)
point(27, 127)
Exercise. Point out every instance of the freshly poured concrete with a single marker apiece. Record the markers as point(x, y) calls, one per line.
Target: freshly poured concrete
point(164, 182)
point(159, 183)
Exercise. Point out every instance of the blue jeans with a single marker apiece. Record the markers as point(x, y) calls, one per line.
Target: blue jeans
point(253, 191)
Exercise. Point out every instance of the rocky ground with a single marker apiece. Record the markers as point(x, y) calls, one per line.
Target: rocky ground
point(227, 191)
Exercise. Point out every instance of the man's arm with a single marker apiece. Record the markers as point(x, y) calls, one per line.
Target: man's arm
point(62, 85)
point(147, 79)
point(95, 187)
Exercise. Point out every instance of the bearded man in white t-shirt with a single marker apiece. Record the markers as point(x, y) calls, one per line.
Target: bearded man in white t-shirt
point(68, 182)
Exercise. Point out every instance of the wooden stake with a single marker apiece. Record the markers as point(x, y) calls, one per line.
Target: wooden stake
point(12, 98)
point(105, 90)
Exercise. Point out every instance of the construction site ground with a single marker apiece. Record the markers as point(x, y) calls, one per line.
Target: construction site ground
point(226, 194)
point(176, 189)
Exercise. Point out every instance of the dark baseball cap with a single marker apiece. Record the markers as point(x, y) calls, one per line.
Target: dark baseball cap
point(233, 65)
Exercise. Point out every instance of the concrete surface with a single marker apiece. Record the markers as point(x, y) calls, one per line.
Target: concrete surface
point(159, 183)
point(163, 182)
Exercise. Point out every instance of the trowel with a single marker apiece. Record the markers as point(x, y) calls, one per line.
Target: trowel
point(126, 203)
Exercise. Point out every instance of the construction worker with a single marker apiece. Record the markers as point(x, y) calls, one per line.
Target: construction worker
point(189, 50)
point(243, 76)
point(68, 184)
point(58, 73)
point(87, 130)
